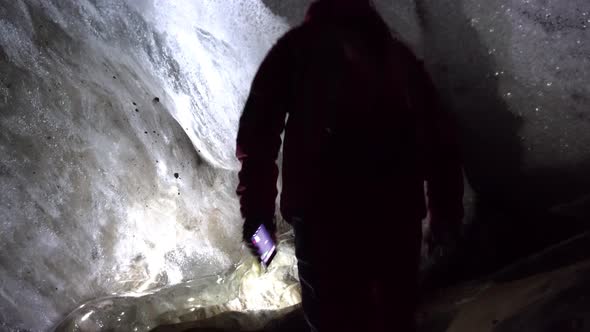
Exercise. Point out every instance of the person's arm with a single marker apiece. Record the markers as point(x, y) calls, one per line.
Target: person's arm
point(442, 160)
point(259, 139)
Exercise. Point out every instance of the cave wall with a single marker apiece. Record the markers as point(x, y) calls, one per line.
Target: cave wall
point(89, 200)
point(513, 75)
point(104, 188)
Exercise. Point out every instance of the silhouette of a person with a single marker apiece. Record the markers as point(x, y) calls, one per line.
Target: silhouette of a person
point(363, 132)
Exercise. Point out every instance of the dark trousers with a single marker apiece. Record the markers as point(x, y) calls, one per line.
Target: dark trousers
point(308, 273)
point(367, 280)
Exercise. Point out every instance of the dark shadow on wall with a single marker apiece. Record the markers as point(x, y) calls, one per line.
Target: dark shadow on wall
point(512, 217)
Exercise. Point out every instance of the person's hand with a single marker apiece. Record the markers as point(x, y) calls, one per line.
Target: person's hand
point(251, 226)
point(442, 237)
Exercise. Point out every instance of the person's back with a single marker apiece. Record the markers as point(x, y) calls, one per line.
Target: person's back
point(350, 126)
point(360, 139)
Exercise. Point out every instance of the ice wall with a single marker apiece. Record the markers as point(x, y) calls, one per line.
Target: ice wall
point(514, 74)
point(117, 121)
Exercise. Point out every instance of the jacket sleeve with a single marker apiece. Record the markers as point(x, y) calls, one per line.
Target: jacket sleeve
point(259, 135)
point(442, 162)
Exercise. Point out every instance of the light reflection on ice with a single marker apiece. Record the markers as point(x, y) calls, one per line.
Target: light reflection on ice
point(260, 295)
point(86, 316)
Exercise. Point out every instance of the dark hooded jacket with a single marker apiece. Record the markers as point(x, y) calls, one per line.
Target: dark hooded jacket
point(362, 125)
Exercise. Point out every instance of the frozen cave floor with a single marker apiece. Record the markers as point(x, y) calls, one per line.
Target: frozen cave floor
point(549, 291)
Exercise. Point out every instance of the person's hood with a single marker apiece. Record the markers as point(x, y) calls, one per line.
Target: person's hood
point(338, 10)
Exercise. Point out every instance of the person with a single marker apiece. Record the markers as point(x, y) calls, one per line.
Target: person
point(363, 132)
